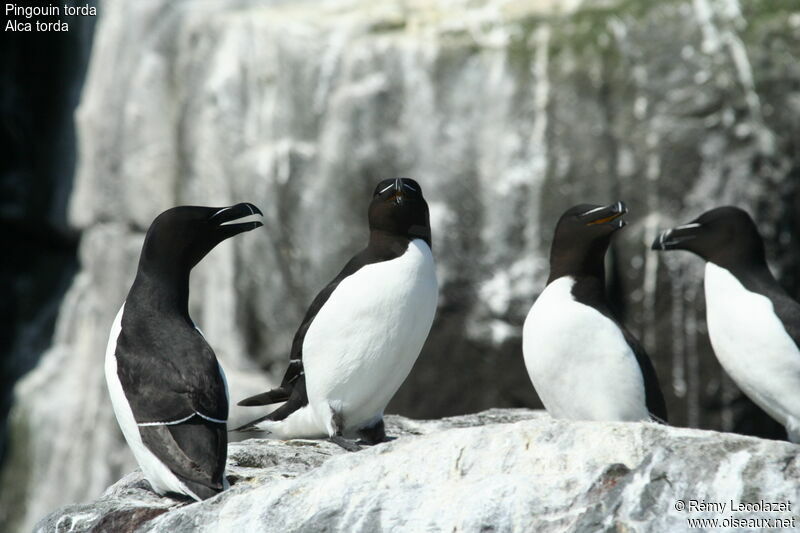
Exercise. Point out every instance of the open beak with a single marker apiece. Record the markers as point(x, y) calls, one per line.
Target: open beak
point(237, 219)
point(610, 215)
point(672, 239)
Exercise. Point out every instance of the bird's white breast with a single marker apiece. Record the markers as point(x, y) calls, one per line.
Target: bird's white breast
point(753, 346)
point(363, 342)
point(578, 360)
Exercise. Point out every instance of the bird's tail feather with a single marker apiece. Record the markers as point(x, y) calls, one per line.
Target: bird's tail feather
point(275, 416)
point(266, 398)
point(252, 425)
point(296, 402)
point(298, 424)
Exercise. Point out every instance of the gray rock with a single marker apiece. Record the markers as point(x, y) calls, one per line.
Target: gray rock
point(499, 470)
point(506, 112)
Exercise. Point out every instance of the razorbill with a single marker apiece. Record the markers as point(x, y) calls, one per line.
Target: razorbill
point(754, 326)
point(168, 391)
point(583, 362)
point(363, 331)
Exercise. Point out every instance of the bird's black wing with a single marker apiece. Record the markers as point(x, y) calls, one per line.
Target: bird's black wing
point(295, 370)
point(785, 307)
point(168, 371)
point(195, 451)
point(293, 386)
point(654, 397)
point(295, 373)
point(177, 393)
point(788, 312)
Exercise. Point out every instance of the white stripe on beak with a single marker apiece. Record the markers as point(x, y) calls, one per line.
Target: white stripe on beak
point(249, 218)
point(222, 210)
point(687, 226)
point(590, 211)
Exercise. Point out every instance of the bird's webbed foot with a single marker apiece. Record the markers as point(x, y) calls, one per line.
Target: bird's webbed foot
point(347, 444)
point(374, 434)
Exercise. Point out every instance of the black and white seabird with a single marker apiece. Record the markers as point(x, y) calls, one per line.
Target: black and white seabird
point(363, 331)
point(168, 391)
point(753, 324)
point(583, 362)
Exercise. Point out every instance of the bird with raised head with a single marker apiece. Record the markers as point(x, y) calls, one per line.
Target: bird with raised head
point(167, 389)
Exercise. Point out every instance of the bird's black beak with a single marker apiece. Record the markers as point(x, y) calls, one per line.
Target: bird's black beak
point(610, 215)
point(230, 221)
point(398, 195)
point(672, 239)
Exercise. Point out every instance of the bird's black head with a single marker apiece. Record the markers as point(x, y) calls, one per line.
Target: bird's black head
point(726, 236)
point(180, 237)
point(398, 208)
point(581, 239)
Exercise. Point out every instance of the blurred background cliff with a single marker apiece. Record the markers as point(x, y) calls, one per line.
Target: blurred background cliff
point(507, 112)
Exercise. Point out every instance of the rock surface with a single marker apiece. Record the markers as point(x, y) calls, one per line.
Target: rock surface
point(499, 470)
point(506, 111)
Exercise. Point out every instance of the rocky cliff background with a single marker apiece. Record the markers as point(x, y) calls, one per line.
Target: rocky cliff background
point(507, 112)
